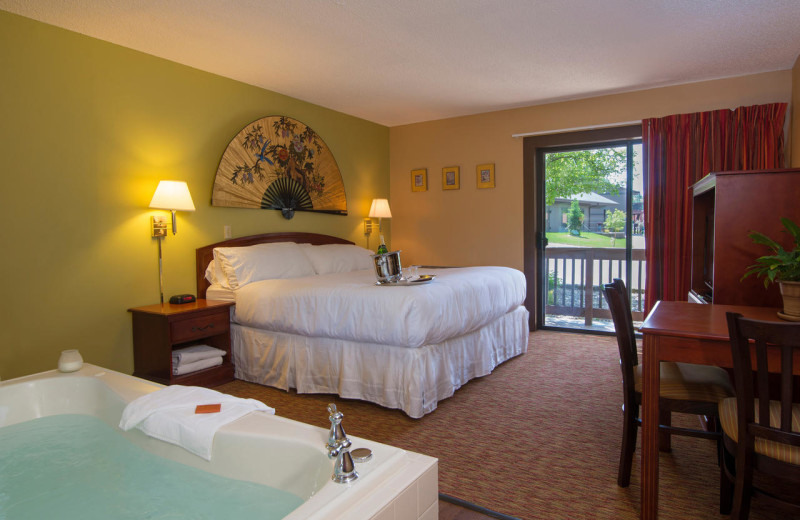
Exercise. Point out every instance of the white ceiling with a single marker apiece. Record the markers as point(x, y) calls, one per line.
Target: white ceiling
point(407, 61)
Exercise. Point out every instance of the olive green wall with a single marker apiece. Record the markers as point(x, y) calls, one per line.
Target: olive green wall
point(87, 129)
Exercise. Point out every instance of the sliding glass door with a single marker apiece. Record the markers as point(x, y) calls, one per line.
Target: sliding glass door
point(590, 232)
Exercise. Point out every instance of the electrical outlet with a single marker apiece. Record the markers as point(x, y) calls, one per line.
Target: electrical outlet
point(226, 230)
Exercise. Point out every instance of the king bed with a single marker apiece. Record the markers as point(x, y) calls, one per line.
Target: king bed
point(310, 316)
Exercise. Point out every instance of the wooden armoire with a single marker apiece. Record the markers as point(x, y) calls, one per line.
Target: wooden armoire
point(727, 207)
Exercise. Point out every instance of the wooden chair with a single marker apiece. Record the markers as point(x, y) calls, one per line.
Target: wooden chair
point(685, 387)
point(759, 433)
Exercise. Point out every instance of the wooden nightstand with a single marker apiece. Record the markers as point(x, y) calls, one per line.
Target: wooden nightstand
point(160, 328)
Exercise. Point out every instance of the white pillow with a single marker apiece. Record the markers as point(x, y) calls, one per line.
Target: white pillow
point(213, 273)
point(338, 258)
point(244, 265)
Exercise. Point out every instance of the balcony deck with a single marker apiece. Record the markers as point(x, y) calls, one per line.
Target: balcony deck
point(575, 279)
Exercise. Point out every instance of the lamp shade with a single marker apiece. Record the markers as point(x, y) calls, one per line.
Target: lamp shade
point(172, 195)
point(380, 209)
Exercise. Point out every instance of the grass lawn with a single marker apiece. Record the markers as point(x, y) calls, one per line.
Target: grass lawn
point(586, 239)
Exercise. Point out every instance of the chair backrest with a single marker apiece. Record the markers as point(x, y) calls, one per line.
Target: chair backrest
point(618, 302)
point(783, 340)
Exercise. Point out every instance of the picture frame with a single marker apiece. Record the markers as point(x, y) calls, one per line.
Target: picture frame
point(485, 175)
point(419, 179)
point(451, 178)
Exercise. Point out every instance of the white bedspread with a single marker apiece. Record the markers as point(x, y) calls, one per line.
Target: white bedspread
point(349, 306)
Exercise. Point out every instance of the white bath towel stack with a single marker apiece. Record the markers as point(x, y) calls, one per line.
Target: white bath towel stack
point(194, 358)
point(170, 414)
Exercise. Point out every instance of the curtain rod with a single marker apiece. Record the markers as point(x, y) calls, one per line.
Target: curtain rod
point(576, 129)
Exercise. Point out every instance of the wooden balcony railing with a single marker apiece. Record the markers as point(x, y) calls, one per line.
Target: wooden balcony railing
point(577, 274)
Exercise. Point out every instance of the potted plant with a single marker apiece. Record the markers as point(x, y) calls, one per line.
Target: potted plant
point(782, 267)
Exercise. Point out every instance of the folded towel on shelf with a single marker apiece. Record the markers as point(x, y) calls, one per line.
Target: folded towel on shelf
point(185, 368)
point(194, 353)
point(169, 414)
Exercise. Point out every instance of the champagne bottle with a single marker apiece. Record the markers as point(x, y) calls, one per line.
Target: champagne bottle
point(382, 248)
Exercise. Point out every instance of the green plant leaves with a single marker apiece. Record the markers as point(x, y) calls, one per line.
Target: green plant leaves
point(783, 265)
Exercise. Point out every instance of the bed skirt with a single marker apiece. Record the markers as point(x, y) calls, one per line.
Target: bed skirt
point(411, 379)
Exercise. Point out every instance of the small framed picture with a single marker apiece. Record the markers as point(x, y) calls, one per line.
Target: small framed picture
point(419, 179)
point(485, 174)
point(450, 178)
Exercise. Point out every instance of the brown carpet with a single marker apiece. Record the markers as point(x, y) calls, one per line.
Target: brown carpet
point(539, 438)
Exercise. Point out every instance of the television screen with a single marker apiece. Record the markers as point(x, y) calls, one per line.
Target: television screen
point(708, 253)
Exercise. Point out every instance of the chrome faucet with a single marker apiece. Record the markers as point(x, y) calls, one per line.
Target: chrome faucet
point(338, 445)
point(336, 435)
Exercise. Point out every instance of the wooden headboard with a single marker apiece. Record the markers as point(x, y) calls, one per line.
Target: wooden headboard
point(205, 254)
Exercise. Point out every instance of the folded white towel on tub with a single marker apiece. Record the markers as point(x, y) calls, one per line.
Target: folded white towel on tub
point(194, 353)
point(194, 366)
point(169, 414)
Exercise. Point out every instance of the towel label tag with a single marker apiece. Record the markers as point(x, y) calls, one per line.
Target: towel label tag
point(208, 408)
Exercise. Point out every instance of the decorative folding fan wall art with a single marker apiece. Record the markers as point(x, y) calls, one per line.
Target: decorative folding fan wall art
point(279, 163)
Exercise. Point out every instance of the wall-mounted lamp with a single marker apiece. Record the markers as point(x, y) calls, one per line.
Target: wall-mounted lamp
point(173, 196)
point(379, 209)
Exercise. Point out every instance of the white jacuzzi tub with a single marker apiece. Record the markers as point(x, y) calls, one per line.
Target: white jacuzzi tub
point(267, 449)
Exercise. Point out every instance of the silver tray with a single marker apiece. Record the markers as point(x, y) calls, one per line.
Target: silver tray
point(420, 280)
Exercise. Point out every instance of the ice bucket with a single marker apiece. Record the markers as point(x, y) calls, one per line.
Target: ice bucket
point(387, 267)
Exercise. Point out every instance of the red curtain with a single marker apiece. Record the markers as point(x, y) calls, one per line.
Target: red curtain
point(678, 151)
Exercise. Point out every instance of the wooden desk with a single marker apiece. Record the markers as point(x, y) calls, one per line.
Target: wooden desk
point(687, 332)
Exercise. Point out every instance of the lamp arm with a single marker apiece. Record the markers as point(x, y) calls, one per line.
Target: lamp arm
point(174, 223)
point(160, 272)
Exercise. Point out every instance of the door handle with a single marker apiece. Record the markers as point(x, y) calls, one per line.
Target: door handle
point(542, 239)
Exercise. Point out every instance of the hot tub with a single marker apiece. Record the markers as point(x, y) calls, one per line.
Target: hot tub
point(260, 448)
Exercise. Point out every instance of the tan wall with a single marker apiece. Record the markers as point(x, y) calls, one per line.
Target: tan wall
point(485, 227)
point(795, 115)
point(87, 131)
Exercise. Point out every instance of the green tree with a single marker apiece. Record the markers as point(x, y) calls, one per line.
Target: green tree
point(615, 222)
point(582, 171)
point(574, 218)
